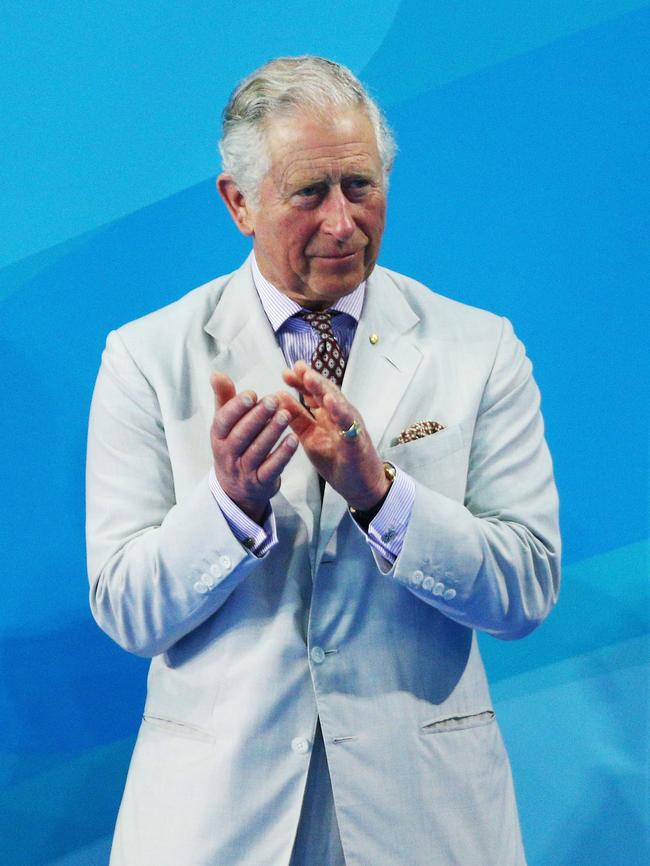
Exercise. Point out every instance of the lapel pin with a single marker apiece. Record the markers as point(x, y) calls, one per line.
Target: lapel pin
point(374, 338)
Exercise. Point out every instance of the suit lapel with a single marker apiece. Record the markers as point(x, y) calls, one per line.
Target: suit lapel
point(247, 350)
point(377, 374)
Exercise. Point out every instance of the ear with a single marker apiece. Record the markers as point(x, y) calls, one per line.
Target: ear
point(236, 203)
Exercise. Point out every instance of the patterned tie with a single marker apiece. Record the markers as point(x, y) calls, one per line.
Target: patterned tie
point(328, 358)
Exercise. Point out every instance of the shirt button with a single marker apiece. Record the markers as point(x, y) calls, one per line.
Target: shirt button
point(249, 543)
point(317, 655)
point(427, 583)
point(300, 745)
point(215, 571)
point(439, 588)
point(387, 536)
point(201, 588)
point(224, 562)
point(416, 577)
point(448, 594)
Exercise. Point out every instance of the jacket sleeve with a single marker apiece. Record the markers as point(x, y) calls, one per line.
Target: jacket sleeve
point(157, 568)
point(492, 563)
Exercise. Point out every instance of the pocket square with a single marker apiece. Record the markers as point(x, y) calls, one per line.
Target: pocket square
point(417, 431)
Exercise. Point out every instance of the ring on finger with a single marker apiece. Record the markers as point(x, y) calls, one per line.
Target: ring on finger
point(352, 432)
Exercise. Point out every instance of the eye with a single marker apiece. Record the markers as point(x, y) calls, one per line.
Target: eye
point(312, 191)
point(357, 187)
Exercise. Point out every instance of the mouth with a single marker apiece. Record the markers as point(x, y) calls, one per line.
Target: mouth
point(339, 257)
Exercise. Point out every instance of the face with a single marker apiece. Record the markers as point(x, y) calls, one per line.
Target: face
point(317, 227)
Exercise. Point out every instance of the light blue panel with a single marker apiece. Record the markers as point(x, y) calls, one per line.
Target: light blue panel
point(580, 753)
point(107, 107)
point(432, 43)
point(573, 702)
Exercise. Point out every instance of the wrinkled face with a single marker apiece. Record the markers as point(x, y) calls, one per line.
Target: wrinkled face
point(317, 227)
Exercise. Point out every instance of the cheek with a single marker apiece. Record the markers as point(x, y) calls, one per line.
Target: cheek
point(296, 238)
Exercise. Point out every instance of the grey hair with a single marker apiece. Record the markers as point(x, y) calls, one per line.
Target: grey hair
point(281, 86)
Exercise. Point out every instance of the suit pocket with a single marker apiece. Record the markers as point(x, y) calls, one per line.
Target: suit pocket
point(426, 450)
point(457, 723)
point(179, 729)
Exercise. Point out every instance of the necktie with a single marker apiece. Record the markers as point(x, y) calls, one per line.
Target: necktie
point(328, 358)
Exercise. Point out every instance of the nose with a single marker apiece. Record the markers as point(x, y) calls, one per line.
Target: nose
point(337, 215)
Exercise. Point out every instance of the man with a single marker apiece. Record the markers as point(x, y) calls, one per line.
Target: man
point(310, 600)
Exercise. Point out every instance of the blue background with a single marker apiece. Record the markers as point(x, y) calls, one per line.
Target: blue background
point(521, 186)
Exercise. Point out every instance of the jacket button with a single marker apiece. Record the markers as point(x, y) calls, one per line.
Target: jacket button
point(215, 571)
point(201, 588)
point(317, 655)
point(448, 594)
point(225, 562)
point(207, 580)
point(438, 589)
point(300, 745)
point(416, 577)
point(427, 583)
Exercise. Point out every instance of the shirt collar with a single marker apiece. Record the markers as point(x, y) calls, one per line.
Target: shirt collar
point(279, 307)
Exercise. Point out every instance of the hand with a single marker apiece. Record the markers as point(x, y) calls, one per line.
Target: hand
point(352, 466)
point(242, 435)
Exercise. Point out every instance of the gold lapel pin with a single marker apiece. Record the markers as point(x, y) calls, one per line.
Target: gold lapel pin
point(374, 339)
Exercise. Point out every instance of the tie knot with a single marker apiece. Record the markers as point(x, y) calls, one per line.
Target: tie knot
point(320, 321)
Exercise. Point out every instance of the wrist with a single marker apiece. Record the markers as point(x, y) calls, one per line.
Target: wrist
point(364, 513)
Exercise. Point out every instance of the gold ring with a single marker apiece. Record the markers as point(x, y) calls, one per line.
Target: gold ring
point(353, 431)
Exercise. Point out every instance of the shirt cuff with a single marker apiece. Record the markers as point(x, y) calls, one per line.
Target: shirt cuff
point(255, 538)
point(387, 529)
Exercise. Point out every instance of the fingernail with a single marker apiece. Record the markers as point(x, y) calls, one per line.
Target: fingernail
point(282, 418)
point(270, 403)
point(292, 441)
point(247, 400)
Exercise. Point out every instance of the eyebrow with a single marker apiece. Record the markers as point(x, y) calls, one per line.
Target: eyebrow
point(299, 182)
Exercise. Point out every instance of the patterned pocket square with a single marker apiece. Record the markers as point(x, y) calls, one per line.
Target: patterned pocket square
point(418, 431)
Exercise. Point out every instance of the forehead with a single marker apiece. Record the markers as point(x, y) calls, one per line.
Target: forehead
point(309, 145)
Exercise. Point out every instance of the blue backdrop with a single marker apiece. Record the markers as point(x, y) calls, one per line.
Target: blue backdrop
point(521, 186)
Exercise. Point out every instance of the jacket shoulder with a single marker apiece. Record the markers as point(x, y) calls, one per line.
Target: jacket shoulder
point(176, 322)
point(448, 318)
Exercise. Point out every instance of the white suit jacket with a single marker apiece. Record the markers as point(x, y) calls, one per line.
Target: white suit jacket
point(247, 652)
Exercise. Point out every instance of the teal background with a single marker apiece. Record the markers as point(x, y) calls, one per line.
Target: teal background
point(521, 186)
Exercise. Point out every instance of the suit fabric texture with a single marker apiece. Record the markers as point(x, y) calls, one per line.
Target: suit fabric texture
point(248, 654)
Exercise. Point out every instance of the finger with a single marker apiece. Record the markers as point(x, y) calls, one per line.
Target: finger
point(292, 379)
point(339, 410)
point(294, 407)
point(300, 368)
point(261, 445)
point(295, 381)
point(228, 415)
point(318, 385)
point(301, 420)
point(251, 424)
point(273, 466)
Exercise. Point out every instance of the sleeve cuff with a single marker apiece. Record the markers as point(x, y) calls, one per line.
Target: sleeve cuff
point(387, 529)
point(255, 538)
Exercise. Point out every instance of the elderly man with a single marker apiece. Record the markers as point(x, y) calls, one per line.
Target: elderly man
point(309, 482)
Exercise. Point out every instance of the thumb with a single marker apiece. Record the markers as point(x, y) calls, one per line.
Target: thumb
point(223, 387)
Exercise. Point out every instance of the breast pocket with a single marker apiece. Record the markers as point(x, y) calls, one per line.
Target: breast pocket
point(427, 450)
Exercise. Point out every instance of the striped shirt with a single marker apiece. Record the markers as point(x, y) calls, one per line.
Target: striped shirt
point(298, 341)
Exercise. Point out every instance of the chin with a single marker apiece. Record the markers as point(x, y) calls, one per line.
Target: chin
point(335, 289)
